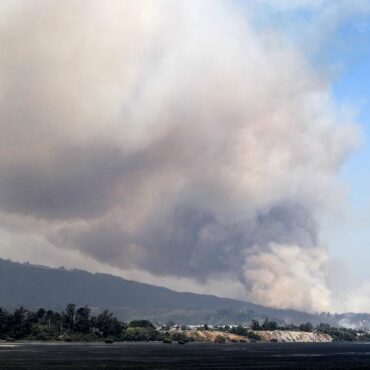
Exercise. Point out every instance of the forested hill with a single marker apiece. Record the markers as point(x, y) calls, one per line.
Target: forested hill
point(36, 286)
point(26, 284)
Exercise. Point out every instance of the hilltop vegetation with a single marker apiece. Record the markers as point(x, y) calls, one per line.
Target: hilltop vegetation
point(39, 286)
point(30, 285)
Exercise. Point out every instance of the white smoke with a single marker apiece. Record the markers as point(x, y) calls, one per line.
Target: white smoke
point(171, 138)
point(288, 276)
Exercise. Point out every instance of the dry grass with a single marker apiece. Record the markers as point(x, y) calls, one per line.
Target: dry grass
point(210, 335)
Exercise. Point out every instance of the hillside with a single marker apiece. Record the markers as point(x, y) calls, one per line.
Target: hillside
point(40, 286)
point(26, 284)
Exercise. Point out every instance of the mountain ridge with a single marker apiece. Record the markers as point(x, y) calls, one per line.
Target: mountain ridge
point(43, 286)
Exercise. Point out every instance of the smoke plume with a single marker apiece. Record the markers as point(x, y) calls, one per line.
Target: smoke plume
point(172, 138)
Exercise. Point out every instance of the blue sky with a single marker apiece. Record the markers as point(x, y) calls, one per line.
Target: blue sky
point(335, 36)
point(348, 237)
point(352, 240)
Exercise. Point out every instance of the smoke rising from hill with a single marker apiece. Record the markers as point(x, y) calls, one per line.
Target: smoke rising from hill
point(171, 138)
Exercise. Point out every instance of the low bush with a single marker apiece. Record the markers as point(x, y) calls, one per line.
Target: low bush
point(220, 339)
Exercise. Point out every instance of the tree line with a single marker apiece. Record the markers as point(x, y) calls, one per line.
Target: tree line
point(78, 324)
point(338, 334)
point(272, 325)
point(72, 324)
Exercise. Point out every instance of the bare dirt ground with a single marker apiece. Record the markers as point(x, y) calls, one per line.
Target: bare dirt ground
point(210, 336)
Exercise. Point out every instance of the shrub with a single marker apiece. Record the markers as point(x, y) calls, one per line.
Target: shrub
point(306, 327)
point(220, 339)
point(253, 336)
point(269, 325)
point(239, 330)
point(141, 324)
point(138, 334)
point(179, 336)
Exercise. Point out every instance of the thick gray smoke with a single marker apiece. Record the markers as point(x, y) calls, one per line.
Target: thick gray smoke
point(169, 137)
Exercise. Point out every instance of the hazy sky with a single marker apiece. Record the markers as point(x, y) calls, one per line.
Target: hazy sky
point(213, 146)
point(341, 46)
point(335, 36)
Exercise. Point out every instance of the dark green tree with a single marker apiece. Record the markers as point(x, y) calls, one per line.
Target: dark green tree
point(108, 325)
point(69, 316)
point(141, 324)
point(255, 325)
point(308, 327)
point(82, 320)
point(269, 325)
